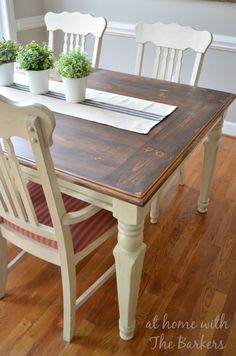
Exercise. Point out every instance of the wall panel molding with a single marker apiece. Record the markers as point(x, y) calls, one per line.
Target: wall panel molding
point(120, 29)
point(29, 23)
point(224, 43)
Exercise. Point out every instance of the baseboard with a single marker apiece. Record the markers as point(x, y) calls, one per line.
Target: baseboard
point(229, 128)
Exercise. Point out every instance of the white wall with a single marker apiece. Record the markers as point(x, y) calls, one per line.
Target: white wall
point(25, 9)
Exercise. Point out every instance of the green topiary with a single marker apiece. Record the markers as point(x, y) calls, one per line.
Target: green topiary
point(74, 65)
point(35, 56)
point(8, 51)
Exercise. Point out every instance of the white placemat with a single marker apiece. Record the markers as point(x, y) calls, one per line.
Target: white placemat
point(115, 110)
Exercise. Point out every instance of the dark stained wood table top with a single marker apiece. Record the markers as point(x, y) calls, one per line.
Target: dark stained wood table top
point(127, 165)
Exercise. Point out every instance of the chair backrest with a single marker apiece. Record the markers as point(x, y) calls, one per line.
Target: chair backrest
point(76, 27)
point(171, 41)
point(34, 123)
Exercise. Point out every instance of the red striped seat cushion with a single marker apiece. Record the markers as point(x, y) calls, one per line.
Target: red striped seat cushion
point(82, 233)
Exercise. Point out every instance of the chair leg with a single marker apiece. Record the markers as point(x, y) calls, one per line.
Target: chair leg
point(3, 266)
point(69, 299)
point(155, 207)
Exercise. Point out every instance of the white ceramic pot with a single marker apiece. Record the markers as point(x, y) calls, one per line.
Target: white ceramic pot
point(6, 73)
point(38, 81)
point(75, 89)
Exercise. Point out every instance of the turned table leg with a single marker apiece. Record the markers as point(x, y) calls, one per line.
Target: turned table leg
point(155, 207)
point(129, 255)
point(211, 145)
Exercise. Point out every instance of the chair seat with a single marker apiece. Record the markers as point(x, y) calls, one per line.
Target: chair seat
point(83, 233)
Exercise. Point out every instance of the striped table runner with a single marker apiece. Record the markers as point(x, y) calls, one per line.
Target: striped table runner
point(115, 110)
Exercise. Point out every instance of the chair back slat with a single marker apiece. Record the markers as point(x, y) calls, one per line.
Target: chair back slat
point(8, 190)
point(82, 46)
point(19, 185)
point(71, 42)
point(162, 65)
point(2, 201)
point(50, 39)
point(156, 63)
point(170, 64)
point(65, 43)
point(77, 41)
point(179, 58)
point(171, 40)
point(75, 23)
point(6, 196)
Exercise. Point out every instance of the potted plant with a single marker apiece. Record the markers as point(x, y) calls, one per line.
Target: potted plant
point(8, 53)
point(74, 68)
point(36, 59)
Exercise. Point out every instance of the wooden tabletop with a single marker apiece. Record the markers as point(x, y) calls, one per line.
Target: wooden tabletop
point(127, 165)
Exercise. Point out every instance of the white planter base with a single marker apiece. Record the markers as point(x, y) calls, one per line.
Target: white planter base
point(38, 81)
point(6, 74)
point(75, 89)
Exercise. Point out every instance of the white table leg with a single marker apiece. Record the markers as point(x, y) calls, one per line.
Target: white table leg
point(129, 256)
point(211, 145)
point(155, 208)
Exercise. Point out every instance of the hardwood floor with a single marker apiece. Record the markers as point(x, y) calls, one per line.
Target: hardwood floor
point(188, 283)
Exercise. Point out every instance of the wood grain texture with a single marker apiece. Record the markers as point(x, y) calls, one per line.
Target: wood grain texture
point(189, 274)
point(127, 165)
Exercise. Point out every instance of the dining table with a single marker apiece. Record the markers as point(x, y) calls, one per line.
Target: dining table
point(123, 171)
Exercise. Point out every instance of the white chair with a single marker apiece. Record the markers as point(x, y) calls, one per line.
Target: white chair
point(76, 27)
point(172, 41)
point(37, 217)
